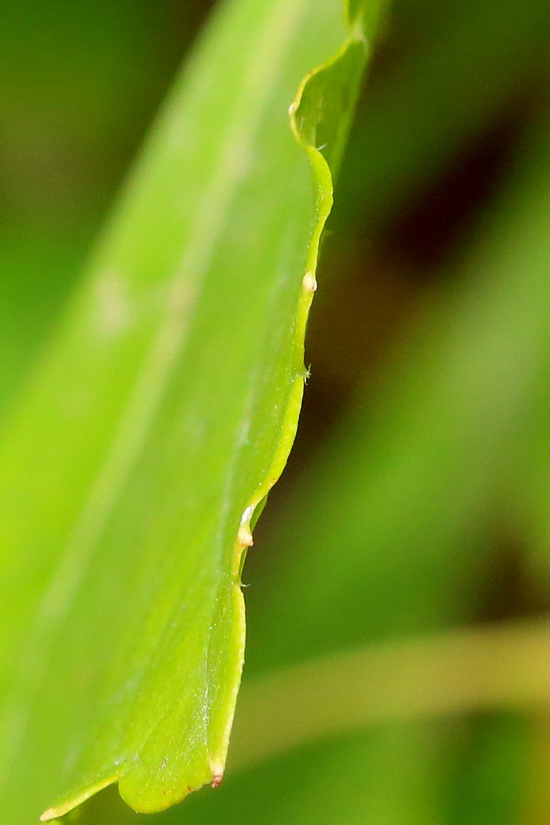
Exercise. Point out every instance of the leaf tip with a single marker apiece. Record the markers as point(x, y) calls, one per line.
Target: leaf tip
point(216, 779)
point(217, 767)
point(67, 804)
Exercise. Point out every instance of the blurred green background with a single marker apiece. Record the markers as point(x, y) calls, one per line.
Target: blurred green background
point(417, 495)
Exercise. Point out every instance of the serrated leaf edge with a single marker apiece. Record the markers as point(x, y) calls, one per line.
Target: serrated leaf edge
point(324, 187)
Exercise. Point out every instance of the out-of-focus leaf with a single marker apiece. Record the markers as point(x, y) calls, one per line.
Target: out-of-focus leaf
point(494, 666)
point(75, 97)
point(454, 80)
point(158, 420)
point(30, 305)
point(492, 781)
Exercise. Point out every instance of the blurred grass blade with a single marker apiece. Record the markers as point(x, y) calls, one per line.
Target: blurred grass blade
point(159, 419)
point(455, 80)
point(499, 666)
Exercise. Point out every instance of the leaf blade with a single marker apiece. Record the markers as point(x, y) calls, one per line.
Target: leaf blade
point(142, 457)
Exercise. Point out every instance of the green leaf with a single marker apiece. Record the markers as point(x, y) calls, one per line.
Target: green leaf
point(158, 420)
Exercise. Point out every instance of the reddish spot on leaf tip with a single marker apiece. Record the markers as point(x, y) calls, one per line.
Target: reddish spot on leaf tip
point(217, 780)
